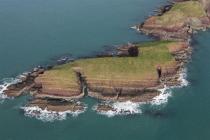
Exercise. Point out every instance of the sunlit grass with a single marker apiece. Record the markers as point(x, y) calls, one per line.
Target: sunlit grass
point(138, 68)
point(181, 11)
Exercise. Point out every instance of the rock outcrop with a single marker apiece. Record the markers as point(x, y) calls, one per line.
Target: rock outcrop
point(128, 73)
point(179, 22)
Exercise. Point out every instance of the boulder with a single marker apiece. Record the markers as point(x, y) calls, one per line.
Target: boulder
point(41, 71)
point(128, 50)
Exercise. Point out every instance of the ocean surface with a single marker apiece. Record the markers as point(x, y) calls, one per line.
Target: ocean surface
point(36, 32)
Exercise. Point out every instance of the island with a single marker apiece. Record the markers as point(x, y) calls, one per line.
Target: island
point(133, 72)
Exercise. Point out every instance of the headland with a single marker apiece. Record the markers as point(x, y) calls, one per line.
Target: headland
point(132, 72)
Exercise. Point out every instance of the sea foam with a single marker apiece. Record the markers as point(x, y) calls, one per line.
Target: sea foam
point(162, 98)
point(4, 84)
point(49, 116)
point(128, 107)
point(166, 92)
point(135, 28)
point(121, 108)
point(182, 78)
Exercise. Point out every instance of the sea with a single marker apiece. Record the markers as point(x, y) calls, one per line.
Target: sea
point(38, 32)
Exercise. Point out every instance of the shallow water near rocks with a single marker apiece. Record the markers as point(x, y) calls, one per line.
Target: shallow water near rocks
point(33, 32)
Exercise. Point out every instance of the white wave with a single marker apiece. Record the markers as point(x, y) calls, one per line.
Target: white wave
point(182, 78)
point(121, 108)
point(162, 98)
point(3, 87)
point(48, 116)
point(135, 28)
point(5, 84)
point(128, 107)
point(166, 92)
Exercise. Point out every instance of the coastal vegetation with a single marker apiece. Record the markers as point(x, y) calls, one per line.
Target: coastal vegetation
point(112, 76)
point(177, 23)
point(59, 77)
point(180, 12)
point(110, 69)
point(129, 68)
point(136, 74)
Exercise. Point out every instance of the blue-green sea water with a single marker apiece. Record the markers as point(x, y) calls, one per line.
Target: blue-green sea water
point(32, 32)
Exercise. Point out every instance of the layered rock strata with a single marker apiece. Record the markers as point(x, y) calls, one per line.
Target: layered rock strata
point(128, 73)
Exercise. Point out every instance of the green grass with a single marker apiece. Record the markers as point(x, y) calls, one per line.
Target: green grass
point(131, 68)
point(61, 76)
point(181, 11)
point(190, 8)
point(138, 68)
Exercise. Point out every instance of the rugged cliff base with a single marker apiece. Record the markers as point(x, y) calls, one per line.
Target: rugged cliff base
point(25, 83)
point(56, 105)
point(141, 96)
point(117, 78)
point(128, 73)
point(140, 88)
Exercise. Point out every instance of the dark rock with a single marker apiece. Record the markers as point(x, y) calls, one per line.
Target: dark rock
point(37, 85)
point(48, 67)
point(40, 67)
point(34, 74)
point(64, 59)
point(133, 51)
point(108, 51)
point(41, 71)
point(128, 50)
point(23, 78)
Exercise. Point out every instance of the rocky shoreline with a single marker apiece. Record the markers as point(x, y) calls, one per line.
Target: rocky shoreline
point(28, 83)
point(47, 93)
point(181, 26)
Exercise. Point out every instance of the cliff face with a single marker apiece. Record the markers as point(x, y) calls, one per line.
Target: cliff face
point(54, 85)
point(131, 73)
point(110, 78)
point(56, 105)
point(24, 84)
point(123, 90)
point(141, 90)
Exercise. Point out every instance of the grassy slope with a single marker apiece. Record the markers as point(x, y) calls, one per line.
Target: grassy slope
point(113, 68)
point(60, 77)
point(181, 11)
point(128, 68)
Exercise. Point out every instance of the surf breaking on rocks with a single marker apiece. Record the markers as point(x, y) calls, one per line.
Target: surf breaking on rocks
point(49, 116)
point(121, 108)
point(4, 84)
point(129, 108)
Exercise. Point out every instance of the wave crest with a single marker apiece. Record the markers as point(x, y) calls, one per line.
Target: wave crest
point(128, 107)
point(121, 108)
point(48, 116)
point(4, 84)
point(182, 78)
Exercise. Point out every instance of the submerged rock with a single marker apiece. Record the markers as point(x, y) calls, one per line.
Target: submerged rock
point(57, 105)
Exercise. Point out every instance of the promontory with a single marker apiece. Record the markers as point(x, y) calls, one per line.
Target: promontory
point(134, 71)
